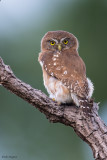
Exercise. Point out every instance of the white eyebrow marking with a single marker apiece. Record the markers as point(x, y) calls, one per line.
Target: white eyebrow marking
point(54, 40)
point(54, 64)
point(63, 39)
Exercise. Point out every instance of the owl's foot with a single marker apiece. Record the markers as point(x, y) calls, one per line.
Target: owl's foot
point(58, 103)
point(53, 99)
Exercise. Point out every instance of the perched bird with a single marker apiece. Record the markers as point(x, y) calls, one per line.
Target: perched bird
point(64, 72)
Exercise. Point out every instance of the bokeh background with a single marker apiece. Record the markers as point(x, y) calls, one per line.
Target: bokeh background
point(25, 132)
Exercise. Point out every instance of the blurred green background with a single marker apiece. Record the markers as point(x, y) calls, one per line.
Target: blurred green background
point(24, 131)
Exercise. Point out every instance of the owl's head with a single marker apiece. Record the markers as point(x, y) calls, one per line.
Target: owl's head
point(58, 41)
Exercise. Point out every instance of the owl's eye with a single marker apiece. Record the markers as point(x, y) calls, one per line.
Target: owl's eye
point(65, 41)
point(52, 43)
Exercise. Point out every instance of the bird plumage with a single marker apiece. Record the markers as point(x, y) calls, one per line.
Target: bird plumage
point(64, 71)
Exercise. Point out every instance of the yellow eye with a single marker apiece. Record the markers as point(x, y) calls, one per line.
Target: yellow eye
point(52, 43)
point(65, 41)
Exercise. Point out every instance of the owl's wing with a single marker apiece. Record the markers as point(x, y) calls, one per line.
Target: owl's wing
point(68, 68)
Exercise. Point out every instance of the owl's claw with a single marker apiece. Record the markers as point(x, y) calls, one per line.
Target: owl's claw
point(58, 103)
point(53, 99)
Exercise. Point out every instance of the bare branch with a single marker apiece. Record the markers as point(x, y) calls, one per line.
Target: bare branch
point(91, 129)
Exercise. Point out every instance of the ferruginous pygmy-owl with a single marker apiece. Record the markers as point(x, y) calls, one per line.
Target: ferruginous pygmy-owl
point(64, 72)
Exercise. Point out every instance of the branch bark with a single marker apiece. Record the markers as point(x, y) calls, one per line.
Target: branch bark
point(90, 129)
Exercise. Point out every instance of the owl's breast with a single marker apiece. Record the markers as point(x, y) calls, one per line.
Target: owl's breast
point(52, 63)
point(56, 89)
point(63, 65)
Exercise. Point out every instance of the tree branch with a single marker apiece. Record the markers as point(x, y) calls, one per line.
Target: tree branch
point(91, 129)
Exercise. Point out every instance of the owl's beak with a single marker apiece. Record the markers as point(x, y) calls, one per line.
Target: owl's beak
point(59, 47)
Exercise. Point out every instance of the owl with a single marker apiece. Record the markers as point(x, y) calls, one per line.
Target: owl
point(64, 72)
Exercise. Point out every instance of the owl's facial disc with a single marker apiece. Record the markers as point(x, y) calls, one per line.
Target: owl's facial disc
point(59, 44)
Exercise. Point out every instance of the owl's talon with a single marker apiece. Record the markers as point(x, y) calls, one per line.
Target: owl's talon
point(58, 103)
point(53, 99)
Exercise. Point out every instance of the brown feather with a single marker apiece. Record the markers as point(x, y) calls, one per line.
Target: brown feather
point(64, 71)
point(69, 68)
